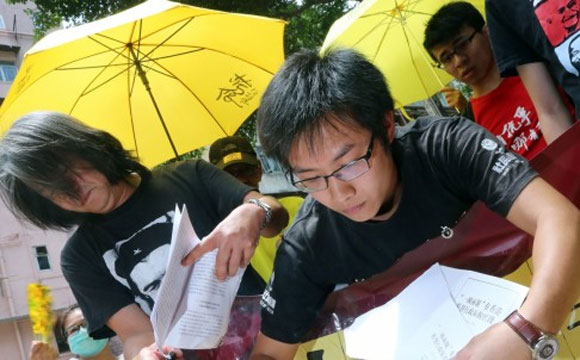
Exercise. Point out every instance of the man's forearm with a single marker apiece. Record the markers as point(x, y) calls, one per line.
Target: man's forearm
point(553, 116)
point(133, 344)
point(555, 286)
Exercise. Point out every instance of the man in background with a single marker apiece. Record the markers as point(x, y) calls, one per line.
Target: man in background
point(457, 39)
point(236, 156)
point(531, 39)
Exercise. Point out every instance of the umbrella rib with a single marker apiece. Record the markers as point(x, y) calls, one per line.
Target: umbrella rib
point(88, 67)
point(138, 40)
point(189, 20)
point(85, 92)
point(192, 93)
point(171, 24)
point(115, 50)
point(387, 12)
point(382, 40)
point(380, 23)
point(414, 62)
point(427, 60)
point(257, 66)
point(64, 66)
point(92, 37)
point(147, 58)
point(170, 36)
point(371, 30)
point(61, 68)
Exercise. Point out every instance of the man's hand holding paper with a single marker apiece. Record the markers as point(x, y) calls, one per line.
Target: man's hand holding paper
point(507, 345)
point(152, 352)
point(236, 237)
point(192, 307)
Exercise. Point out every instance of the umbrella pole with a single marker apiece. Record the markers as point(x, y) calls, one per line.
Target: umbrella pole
point(145, 81)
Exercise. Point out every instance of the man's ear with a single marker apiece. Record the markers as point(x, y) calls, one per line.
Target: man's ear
point(259, 166)
point(485, 30)
point(389, 122)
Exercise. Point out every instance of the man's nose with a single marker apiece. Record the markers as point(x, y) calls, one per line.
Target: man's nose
point(341, 190)
point(458, 59)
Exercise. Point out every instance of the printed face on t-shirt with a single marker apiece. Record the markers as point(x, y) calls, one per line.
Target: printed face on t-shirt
point(149, 272)
point(574, 52)
point(139, 262)
point(336, 145)
point(558, 18)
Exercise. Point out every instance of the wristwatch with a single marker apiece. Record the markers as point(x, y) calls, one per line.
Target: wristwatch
point(266, 208)
point(544, 346)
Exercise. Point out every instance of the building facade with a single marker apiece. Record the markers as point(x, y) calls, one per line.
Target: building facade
point(27, 254)
point(16, 37)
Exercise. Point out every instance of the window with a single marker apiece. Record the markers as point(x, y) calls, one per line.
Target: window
point(42, 257)
point(7, 71)
point(2, 24)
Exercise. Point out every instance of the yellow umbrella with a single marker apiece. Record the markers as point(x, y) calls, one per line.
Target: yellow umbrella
point(390, 34)
point(163, 77)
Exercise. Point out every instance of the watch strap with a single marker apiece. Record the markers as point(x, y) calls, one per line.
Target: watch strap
point(267, 209)
point(525, 329)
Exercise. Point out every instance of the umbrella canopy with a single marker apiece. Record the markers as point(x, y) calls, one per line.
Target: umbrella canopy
point(163, 77)
point(390, 34)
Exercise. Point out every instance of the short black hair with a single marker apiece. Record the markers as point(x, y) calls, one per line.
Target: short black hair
point(447, 22)
point(40, 150)
point(311, 90)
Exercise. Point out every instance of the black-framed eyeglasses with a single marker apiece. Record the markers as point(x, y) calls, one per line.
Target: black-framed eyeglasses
point(348, 172)
point(459, 48)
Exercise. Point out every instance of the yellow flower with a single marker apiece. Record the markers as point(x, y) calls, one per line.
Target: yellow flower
point(40, 310)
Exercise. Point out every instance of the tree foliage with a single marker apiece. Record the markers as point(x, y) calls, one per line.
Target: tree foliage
point(308, 20)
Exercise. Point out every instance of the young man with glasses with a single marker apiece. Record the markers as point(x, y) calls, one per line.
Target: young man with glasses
point(378, 191)
point(457, 39)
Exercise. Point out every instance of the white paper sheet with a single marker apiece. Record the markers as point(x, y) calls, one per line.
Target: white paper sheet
point(192, 307)
point(424, 322)
point(483, 300)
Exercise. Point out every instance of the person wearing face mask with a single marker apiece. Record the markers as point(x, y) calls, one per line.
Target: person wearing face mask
point(71, 326)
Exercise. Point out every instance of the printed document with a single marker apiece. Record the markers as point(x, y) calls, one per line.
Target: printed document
point(192, 307)
point(434, 317)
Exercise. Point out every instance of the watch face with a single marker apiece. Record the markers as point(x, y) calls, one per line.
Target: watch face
point(546, 348)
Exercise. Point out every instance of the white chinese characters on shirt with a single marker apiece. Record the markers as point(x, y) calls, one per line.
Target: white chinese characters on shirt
point(519, 133)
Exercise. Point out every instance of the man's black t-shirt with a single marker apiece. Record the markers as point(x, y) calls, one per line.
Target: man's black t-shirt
point(118, 259)
point(528, 31)
point(444, 164)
